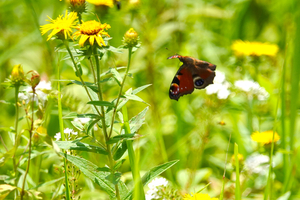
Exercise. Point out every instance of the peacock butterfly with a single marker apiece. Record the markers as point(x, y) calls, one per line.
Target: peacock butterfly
point(192, 74)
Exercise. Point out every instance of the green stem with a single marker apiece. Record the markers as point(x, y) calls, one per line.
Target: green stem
point(237, 172)
point(16, 133)
point(103, 120)
point(138, 187)
point(120, 92)
point(61, 129)
point(79, 75)
point(29, 149)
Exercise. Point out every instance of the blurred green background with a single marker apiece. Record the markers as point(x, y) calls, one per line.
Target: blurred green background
point(188, 130)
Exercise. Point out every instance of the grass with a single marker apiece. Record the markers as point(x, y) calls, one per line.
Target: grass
point(189, 130)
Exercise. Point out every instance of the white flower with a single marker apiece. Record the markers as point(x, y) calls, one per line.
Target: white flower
point(57, 136)
point(252, 89)
point(41, 91)
point(220, 86)
point(257, 163)
point(67, 131)
point(154, 186)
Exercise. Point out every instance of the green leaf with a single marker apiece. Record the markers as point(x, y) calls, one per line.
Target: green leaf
point(88, 84)
point(103, 169)
point(75, 145)
point(137, 90)
point(73, 115)
point(90, 125)
point(137, 121)
point(118, 138)
point(90, 170)
point(114, 178)
point(154, 172)
point(133, 97)
point(101, 103)
point(120, 151)
point(77, 125)
point(116, 75)
point(119, 164)
point(79, 71)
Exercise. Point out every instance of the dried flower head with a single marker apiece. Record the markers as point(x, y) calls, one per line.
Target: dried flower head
point(61, 26)
point(91, 31)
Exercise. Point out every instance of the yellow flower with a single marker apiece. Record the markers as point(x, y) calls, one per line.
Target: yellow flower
point(240, 158)
point(17, 75)
point(254, 48)
point(92, 30)
point(61, 26)
point(109, 3)
point(198, 196)
point(131, 38)
point(264, 137)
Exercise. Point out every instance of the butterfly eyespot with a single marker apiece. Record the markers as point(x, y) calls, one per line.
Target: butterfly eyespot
point(198, 82)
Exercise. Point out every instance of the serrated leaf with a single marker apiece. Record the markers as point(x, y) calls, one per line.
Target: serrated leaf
point(80, 146)
point(101, 103)
point(118, 138)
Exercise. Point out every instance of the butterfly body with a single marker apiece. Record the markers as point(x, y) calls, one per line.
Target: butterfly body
point(192, 74)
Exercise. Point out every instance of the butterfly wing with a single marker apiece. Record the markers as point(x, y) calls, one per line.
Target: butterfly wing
point(182, 83)
point(192, 74)
point(203, 73)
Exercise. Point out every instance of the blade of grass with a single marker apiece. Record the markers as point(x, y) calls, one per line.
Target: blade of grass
point(138, 187)
point(237, 173)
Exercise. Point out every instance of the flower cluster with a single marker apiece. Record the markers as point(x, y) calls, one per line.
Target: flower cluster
point(90, 31)
point(254, 48)
point(155, 187)
point(41, 93)
point(69, 132)
point(257, 163)
point(220, 86)
point(252, 89)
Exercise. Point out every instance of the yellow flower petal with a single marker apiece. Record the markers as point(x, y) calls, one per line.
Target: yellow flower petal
point(92, 30)
point(254, 48)
point(265, 137)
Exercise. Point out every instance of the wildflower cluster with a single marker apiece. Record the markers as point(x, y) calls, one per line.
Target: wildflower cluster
point(220, 86)
point(252, 89)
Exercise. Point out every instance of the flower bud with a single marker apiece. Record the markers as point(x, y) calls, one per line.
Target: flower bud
point(35, 79)
point(77, 6)
point(131, 38)
point(17, 75)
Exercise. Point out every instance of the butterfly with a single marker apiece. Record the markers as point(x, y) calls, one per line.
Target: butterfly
point(192, 74)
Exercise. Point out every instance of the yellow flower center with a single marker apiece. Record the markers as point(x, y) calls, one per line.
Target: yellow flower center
point(90, 28)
